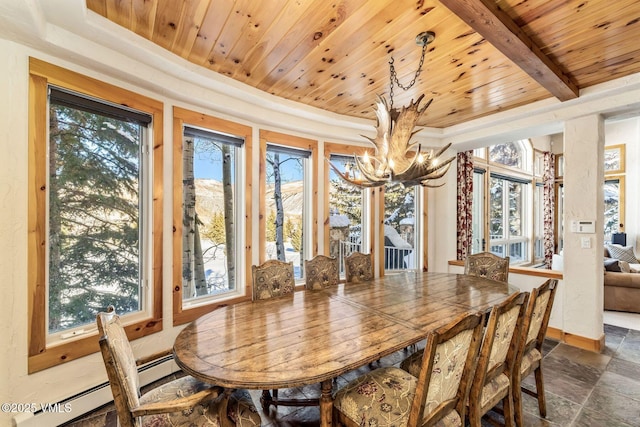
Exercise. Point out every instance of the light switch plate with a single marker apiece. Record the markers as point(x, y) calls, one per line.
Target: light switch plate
point(585, 243)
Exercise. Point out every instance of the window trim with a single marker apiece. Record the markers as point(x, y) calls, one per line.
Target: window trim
point(42, 74)
point(310, 145)
point(182, 117)
point(622, 149)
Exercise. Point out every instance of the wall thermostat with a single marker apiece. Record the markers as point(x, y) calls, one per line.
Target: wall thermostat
point(583, 226)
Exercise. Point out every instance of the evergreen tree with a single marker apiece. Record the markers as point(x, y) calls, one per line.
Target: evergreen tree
point(295, 234)
point(93, 216)
point(271, 227)
point(215, 231)
point(347, 199)
point(398, 202)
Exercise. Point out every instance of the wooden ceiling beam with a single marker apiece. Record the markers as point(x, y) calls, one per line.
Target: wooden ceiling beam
point(504, 34)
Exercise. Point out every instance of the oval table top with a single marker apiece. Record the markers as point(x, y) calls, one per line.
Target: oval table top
point(315, 336)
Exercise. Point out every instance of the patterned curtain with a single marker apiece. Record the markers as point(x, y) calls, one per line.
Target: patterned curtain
point(548, 178)
point(465, 200)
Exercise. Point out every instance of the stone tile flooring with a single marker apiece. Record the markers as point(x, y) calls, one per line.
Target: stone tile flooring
point(583, 389)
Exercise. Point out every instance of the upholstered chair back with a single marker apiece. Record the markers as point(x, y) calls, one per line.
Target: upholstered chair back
point(321, 272)
point(494, 373)
point(358, 267)
point(272, 278)
point(486, 264)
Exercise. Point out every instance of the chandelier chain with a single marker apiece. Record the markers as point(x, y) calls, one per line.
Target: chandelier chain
point(393, 76)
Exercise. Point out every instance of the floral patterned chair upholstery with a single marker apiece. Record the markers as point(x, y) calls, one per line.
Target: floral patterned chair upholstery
point(272, 278)
point(182, 402)
point(358, 267)
point(434, 396)
point(493, 377)
point(486, 264)
point(529, 358)
point(321, 272)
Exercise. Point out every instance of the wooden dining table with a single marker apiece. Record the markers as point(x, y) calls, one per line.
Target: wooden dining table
point(315, 336)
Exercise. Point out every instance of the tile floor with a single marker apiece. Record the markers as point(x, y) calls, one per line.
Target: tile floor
point(583, 389)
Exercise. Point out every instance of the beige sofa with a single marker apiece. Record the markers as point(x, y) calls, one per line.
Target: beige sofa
point(621, 290)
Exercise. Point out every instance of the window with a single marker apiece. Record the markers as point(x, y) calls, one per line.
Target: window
point(288, 191)
point(507, 222)
point(559, 232)
point(348, 228)
point(538, 223)
point(614, 190)
point(212, 238)
point(613, 207)
point(347, 208)
point(614, 159)
point(511, 154)
point(401, 210)
point(503, 211)
point(95, 199)
point(478, 242)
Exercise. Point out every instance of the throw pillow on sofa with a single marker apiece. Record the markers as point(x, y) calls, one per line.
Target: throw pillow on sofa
point(624, 253)
point(611, 264)
point(624, 266)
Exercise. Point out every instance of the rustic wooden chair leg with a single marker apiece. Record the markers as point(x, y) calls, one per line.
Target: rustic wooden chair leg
point(542, 403)
point(507, 405)
point(474, 418)
point(517, 401)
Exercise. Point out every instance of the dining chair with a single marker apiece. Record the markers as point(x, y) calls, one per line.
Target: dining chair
point(181, 402)
point(391, 396)
point(529, 358)
point(486, 264)
point(271, 279)
point(321, 272)
point(358, 267)
point(493, 377)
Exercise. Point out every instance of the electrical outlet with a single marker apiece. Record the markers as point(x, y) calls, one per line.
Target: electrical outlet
point(585, 243)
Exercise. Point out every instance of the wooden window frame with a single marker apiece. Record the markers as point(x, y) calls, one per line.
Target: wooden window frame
point(41, 74)
point(267, 136)
point(183, 117)
point(622, 149)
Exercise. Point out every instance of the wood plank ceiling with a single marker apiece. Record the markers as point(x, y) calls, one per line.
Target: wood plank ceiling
point(488, 55)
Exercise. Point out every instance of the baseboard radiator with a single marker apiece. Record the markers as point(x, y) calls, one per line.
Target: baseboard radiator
point(55, 414)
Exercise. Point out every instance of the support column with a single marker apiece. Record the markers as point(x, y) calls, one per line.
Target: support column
point(583, 252)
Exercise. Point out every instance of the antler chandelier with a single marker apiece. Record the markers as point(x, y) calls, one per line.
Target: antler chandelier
point(395, 158)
